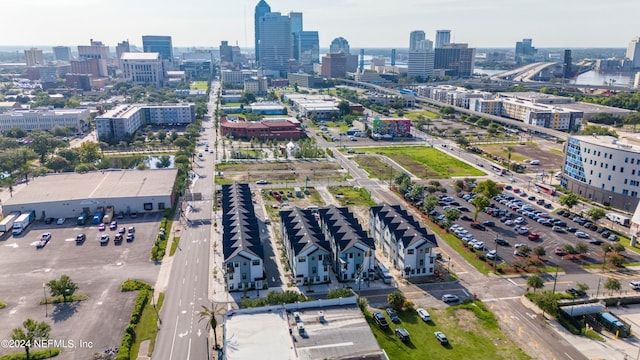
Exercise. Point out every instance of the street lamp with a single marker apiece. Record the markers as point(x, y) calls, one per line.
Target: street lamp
point(448, 264)
point(44, 290)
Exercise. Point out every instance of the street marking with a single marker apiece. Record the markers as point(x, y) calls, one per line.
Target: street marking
point(174, 338)
point(183, 281)
point(327, 346)
point(465, 292)
point(513, 282)
point(199, 332)
point(568, 356)
point(189, 351)
point(181, 335)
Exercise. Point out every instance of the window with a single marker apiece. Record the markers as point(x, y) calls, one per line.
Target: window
point(148, 206)
point(410, 251)
point(313, 258)
point(350, 255)
point(609, 177)
point(430, 260)
point(230, 276)
point(621, 170)
point(319, 257)
point(161, 206)
point(314, 270)
point(302, 259)
point(613, 168)
point(255, 262)
point(236, 264)
point(421, 262)
point(244, 276)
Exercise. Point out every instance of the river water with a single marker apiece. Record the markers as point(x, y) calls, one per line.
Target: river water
point(588, 78)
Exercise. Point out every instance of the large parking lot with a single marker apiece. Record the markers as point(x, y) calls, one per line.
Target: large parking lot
point(99, 270)
point(514, 224)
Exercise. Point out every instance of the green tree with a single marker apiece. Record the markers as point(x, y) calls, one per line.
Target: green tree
point(396, 300)
point(462, 141)
point(163, 162)
point(612, 284)
point(480, 202)
point(89, 152)
point(339, 293)
point(488, 188)
point(210, 315)
point(539, 251)
point(451, 215)
point(582, 286)
point(30, 331)
point(596, 213)
point(429, 203)
point(417, 191)
point(493, 128)
point(569, 200)
point(248, 97)
point(43, 143)
point(509, 150)
point(581, 248)
point(62, 287)
point(618, 248)
point(58, 164)
point(181, 142)
point(535, 281)
point(344, 108)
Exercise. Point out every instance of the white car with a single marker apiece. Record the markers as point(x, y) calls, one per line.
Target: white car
point(582, 235)
point(522, 230)
point(509, 222)
point(479, 245)
point(635, 284)
point(60, 221)
point(424, 315)
point(519, 220)
point(517, 246)
point(492, 255)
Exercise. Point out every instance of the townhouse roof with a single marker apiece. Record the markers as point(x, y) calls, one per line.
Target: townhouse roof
point(240, 232)
point(345, 228)
point(403, 225)
point(303, 230)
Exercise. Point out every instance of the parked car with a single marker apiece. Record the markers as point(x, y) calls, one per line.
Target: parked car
point(450, 298)
point(613, 238)
point(60, 221)
point(402, 334)
point(558, 251)
point(478, 226)
point(576, 292)
point(582, 235)
point(479, 245)
point(113, 225)
point(558, 229)
point(131, 230)
point(522, 230)
point(533, 236)
point(441, 337)
point(118, 238)
point(492, 255)
point(635, 284)
point(101, 227)
point(262, 182)
point(572, 229)
point(465, 218)
point(424, 315)
point(596, 242)
point(130, 237)
point(49, 220)
point(501, 241)
point(104, 239)
point(392, 315)
point(379, 318)
point(489, 223)
point(44, 240)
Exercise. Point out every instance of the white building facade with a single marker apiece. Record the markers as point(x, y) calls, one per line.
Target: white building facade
point(143, 68)
point(44, 118)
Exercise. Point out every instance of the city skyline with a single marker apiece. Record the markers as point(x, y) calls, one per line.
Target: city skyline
point(490, 24)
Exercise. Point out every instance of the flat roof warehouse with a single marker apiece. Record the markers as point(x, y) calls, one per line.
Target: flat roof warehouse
point(66, 194)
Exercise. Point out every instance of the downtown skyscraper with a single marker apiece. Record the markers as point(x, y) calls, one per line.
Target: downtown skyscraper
point(261, 9)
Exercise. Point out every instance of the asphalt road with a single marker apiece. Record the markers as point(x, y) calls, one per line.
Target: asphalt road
point(183, 334)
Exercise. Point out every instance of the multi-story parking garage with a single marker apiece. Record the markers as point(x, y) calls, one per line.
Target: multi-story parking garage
point(67, 195)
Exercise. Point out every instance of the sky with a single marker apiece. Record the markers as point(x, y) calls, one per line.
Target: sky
point(364, 23)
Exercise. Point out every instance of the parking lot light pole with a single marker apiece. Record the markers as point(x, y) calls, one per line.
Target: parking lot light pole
point(555, 279)
point(46, 309)
point(449, 265)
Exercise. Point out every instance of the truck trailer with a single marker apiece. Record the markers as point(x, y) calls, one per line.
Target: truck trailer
point(22, 222)
point(6, 225)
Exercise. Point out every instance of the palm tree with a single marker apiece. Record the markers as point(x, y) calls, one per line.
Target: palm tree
point(509, 150)
point(210, 314)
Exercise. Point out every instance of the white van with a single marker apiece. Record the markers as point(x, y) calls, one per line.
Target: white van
point(535, 162)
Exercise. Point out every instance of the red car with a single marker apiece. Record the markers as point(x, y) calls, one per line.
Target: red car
point(516, 190)
point(533, 236)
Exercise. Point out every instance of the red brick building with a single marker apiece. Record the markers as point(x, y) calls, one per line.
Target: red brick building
point(267, 129)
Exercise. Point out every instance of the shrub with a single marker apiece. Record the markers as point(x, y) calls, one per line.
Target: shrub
point(133, 285)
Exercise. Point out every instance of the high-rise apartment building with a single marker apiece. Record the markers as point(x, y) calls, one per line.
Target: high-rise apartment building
point(421, 63)
point(633, 52)
point(443, 37)
point(414, 39)
point(62, 53)
point(97, 50)
point(226, 54)
point(525, 52)
point(567, 66)
point(143, 68)
point(275, 43)
point(262, 8)
point(457, 59)
point(159, 44)
point(34, 57)
point(334, 65)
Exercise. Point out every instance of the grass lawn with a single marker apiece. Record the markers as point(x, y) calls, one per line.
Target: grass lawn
point(348, 196)
point(376, 167)
point(426, 162)
point(341, 125)
point(557, 151)
point(147, 328)
point(500, 150)
point(174, 245)
point(472, 330)
point(413, 115)
point(199, 85)
point(232, 104)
